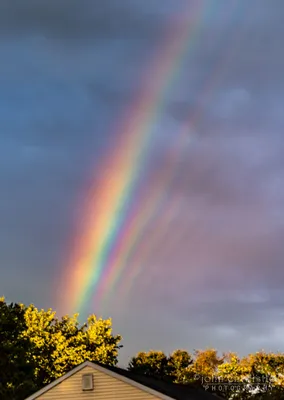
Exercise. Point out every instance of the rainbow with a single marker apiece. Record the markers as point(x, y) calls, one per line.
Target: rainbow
point(128, 255)
point(117, 211)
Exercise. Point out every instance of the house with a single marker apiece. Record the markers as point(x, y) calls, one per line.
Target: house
point(92, 381)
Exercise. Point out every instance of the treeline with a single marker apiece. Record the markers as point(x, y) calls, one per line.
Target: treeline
point(255, 376)
point(36, 347)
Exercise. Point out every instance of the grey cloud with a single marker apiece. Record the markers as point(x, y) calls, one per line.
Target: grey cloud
point(241, 327)
point(61, 103)
point(225, 235)
point(99, 19)
point(224, 61)
point(181, 110)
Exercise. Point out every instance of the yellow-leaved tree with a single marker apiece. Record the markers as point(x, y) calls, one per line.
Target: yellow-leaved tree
point(46, 347)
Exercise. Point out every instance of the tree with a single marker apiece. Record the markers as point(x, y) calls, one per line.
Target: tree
point(204, 369)
point(259, 376)
point(172, 368)
point(36, 347)
point(61, 344)
point(153, 363)
point(206, 362)
point(16, 379)
point(178, 366)
point(233, 377)
point(266, 374)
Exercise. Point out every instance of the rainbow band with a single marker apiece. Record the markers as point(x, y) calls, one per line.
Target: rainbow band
point(104, 244)
point(133, 232)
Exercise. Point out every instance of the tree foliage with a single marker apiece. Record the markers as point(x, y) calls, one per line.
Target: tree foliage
point(16, 379)
point(258, 376)
point(206, 362)
point(179, 366)
point(153, 363)
point(61, 344)
point(172, 368)
point(36, 347)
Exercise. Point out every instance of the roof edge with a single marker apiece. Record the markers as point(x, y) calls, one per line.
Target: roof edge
point(59, 380)
point(104, 370)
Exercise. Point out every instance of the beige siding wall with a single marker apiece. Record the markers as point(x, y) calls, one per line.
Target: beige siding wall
point(105, 387)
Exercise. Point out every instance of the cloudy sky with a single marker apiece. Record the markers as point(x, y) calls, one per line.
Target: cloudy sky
point(69, 71)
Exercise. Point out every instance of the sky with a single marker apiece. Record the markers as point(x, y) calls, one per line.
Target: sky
point(69, 72)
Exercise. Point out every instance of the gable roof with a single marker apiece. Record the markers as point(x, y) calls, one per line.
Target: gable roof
point(173, 390)
point(158, 388)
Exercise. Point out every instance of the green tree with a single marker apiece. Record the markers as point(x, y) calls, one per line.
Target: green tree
point(172, 368)
point(178, 366)
point(36, 347)
point(234, 373)
point(152, 363)
point(61, 344)
point(17, 372)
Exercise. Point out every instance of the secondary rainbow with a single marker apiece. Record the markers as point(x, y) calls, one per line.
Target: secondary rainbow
point(148, 209)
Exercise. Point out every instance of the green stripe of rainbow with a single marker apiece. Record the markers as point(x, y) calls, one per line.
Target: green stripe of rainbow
point(98, 258)
point(128, 254)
